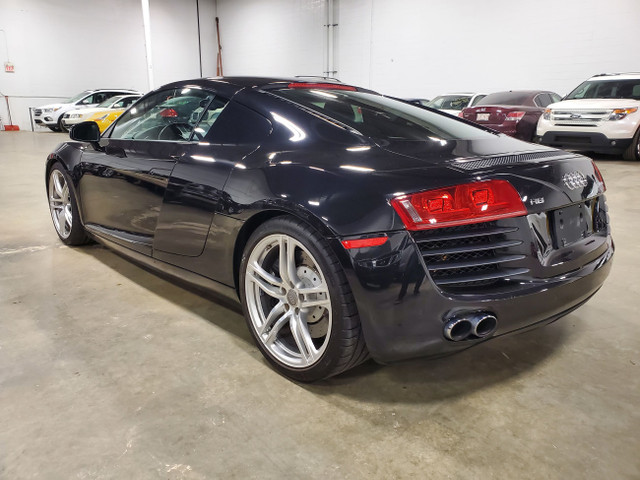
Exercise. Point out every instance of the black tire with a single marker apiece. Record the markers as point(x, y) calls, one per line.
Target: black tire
point(75, 235)
point(61, 127)
point(54, 129)
point(633, 151)
point(344, 346)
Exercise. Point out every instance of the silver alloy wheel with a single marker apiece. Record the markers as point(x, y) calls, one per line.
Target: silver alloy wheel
point(60, 203)
point(288, 300)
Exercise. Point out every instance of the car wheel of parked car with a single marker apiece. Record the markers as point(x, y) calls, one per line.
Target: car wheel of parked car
point(61, 127)
point(297, 302)
point(54, 129)
point(64, 207)
point(633, 152)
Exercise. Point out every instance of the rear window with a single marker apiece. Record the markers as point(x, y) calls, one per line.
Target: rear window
point(379, 117)
point(506, 98)
point(607, 89)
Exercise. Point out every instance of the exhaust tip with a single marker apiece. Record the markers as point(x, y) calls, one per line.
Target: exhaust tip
point(470, 325)
point(484, 324)
point(457, 329)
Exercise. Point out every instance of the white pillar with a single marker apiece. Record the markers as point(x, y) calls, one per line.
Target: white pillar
point(146, 21)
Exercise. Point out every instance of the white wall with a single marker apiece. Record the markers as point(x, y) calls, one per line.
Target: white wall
point(272, 37)
point(420, 48)
point(62, 47)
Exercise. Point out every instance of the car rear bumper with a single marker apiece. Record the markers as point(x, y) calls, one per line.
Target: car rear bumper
point(585, 141)
point(403, 311)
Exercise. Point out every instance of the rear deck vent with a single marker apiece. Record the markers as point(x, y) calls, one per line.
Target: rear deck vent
point(487, 162)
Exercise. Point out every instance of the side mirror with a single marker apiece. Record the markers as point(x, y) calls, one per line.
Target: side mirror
point(85, 132)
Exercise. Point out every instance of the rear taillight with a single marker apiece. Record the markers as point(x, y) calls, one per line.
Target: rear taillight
point(461, 114)
point(514, 116)
point(168, 113)
point(599, 176)
point(459, 205)
point(323, 86)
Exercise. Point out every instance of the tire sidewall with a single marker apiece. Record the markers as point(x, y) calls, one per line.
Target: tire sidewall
point(310, 239)
point(77, 235)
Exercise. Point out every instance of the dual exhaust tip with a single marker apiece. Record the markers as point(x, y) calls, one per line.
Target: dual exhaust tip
point(470, 325)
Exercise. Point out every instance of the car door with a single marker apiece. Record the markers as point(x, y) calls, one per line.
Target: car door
point(123, 182)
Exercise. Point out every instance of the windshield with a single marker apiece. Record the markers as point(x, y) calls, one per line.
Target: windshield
point(108, 102)
point(506, 98)
point(77, 97)
point(450, 102)
point(607, 89)
point(382, 118)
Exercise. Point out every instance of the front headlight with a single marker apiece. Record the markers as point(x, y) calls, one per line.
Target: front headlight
point(47, 110)
point(547, 114)
point(620, 113)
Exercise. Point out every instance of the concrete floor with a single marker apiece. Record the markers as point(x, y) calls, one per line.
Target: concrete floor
point(108, 371)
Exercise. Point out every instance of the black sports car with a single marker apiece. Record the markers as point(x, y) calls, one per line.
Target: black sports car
point(346, 223)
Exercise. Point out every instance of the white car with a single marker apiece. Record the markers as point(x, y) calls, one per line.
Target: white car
point(51, 115)
point(602, 115)
point(453, 103)
point(73, 117)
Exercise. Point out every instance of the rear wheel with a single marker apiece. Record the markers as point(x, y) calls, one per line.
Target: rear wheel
point(64, 207)
point(633, 152)
point(61, 126)
point(297, 302)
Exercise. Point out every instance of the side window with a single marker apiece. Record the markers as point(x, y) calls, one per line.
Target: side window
point(88, 100)
point(168, 115)
point(555, 98)
point(239, 125)
point(542, 99)
point(477, 99)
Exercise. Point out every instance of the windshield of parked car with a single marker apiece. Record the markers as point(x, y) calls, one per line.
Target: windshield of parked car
point(380, 117)
point(450, 102)
point(108, 102)
point(607, 89)
point(77, 97)
point(506, 98)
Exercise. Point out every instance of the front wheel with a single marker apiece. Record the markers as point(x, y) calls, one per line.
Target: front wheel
point(64, 207)
point(633, 152)
point(297, 302)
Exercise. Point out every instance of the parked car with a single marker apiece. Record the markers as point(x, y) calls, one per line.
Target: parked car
point(601, 115)
point(514, 113)
point(106, 109)
point(347, 224)
point(453, 103)
point(51, 115)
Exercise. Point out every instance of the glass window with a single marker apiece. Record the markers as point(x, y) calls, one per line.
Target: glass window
point(506, 98)
point(607, 89)
point(555, 98)
point(169, 115)
point(450, 102)
point(477, 99)
point(542, 99)
point(379, 117)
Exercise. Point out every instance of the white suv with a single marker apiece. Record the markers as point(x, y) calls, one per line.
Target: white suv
point(601, 115)
point(51, 115)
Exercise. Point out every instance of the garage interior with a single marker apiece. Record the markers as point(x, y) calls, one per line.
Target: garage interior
point(110, 371)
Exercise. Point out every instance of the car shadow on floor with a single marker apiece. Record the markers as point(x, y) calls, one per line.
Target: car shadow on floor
point(216, 310)
point(426, 380)
point(414, 381)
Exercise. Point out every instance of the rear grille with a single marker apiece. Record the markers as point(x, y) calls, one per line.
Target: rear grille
point(487, 162)
point(470, 258)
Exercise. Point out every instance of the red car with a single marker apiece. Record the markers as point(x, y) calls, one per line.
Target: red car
point(514, 113)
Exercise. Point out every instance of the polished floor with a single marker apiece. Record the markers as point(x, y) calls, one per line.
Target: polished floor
point(108, 371)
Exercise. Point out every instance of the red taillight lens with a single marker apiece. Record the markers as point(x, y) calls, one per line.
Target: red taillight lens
point(168, 113)
point(599, 175)
point(461, 114)
point(459, 205)
point(514, 116)
point(323, 86)
point(364, 242)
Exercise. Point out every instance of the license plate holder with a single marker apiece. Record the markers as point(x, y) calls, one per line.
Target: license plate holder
point(482, 117)
point(570, 224)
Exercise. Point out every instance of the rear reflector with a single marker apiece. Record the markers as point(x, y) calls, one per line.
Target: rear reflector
point(459, 205)
point(364, 242)
point(323, 86)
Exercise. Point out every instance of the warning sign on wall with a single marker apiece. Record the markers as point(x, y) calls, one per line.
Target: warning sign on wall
point(9, 67)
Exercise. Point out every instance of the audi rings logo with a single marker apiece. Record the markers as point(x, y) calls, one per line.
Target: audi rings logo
point(574, 180)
